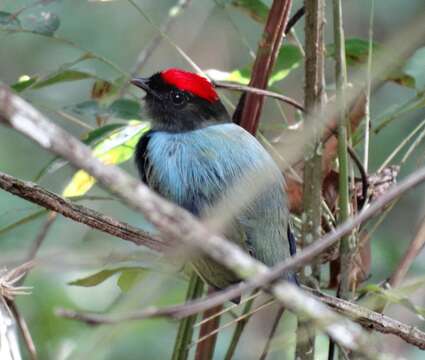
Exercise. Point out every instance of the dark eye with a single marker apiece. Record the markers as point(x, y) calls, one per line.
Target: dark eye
point(178, 98)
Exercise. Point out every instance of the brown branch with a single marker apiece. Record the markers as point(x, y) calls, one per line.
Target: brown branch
point(248, 111)
point(249, 89)
point(410, 255)
point(372, 320)
point(205, 349)
point(174, 222)
point(8, 330)
point(23, 328)
point(38, 195)
point(369, 319)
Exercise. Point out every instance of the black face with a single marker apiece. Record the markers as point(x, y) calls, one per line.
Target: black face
point(174, 110)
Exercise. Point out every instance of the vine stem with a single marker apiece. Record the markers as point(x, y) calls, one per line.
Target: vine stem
point(185, 331)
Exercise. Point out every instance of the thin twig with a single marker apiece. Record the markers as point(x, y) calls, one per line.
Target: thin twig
point(249, 89)
point(51, 217)
point(244, 316)
point(415, 246)
point(207, 338)
point(240, 326)
point(23, 328)
point(272, 333)
point(367, 318)
point(9, 342)
point(184, 335)
point(294, 19)
point(368, 87)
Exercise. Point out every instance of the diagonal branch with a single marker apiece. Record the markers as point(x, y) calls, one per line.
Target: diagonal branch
point(367, 318)
point(38, 195)
point(174, 222)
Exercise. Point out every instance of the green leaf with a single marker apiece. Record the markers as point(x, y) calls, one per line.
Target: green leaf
point(130, 277)
point(8, 21)
point(121, 108)
point(356, 50)
point(89, 108)
point(45, 23)
point(117, 148)
point(62, 76)
point(255, 9)
point(399, 295)
point(100, 133)
point(125, 109)
point(288, 59)
point(23, 83)
point(415, 68)
point(241, 76)
point(95, 279)
point(400, 77)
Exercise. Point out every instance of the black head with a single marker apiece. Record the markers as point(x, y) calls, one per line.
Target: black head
point(178, 100)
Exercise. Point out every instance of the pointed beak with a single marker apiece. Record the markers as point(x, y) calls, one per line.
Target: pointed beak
point(141, 83)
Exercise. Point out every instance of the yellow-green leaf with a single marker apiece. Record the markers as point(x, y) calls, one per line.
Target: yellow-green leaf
point(115, 149)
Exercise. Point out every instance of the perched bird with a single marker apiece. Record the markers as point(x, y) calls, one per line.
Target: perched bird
point(194, 154)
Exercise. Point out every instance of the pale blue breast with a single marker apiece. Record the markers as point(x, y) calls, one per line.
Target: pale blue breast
point(194, 169)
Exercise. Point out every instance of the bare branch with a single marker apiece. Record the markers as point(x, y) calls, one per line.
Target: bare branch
point(38, 195)
point(239, 87)
point(369, 319)
point(375, 321)
point(9, 344)
point(412, 252)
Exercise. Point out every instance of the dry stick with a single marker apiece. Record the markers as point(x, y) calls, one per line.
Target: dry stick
point(207, 337)
point(314, 99)
point(411, 253)
point(9, 345)
point(174, 222)
point(272, 333)
point(22, 325)
point(38, 195)
point(51, 217)
point(23, 328)
point(249, 107)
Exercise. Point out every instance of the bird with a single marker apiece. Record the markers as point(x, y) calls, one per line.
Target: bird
point(193, 155)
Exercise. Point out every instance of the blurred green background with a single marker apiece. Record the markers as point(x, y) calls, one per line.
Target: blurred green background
point(215, 37)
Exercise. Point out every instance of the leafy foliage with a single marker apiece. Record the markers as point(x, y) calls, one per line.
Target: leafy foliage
point(128, 277)
point(116, 148)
